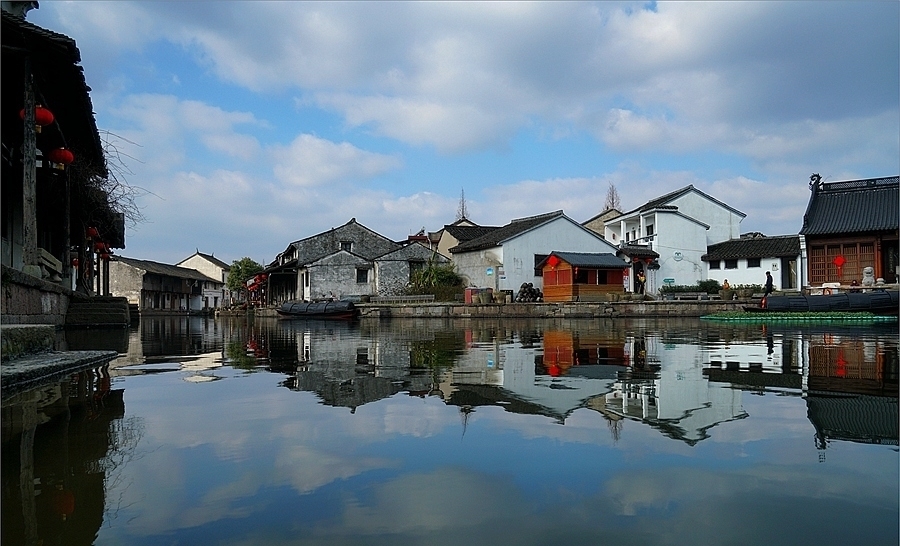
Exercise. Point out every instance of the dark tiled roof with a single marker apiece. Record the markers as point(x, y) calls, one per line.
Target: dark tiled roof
point(467, 233)
point(755, 247)
point(853, 206)
point(583, 259)
point(638, 252)
point(662, 202)
point(165, 269)
point(495, 236)
point(212, 259)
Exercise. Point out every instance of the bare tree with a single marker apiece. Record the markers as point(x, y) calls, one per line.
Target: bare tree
point(462, 213)
point(612, 198)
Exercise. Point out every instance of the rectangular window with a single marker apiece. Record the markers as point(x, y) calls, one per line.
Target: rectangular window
point(538, 258)
point(649, 230)
point(347, 245)
point(715, 264)
point(581, 276)
point(753, 262)
point(362, 275)
point(730, 264)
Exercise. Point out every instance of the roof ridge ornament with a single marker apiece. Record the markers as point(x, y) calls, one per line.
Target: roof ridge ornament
point(815, 181)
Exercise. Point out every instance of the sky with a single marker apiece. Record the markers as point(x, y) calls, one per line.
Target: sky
point(244, 126)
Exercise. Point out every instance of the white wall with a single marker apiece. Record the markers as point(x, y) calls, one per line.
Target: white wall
point(678, 234)
point(561, 235)
point(753, 275)
point(723, 224)
point(473, 266)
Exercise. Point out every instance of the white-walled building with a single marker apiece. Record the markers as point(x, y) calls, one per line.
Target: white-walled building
point(507, 257)
point(214, 268)
point(745, 261)
point(673, 231)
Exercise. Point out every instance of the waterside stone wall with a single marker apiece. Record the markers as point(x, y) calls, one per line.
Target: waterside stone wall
point(30, 300)
point(554, 310)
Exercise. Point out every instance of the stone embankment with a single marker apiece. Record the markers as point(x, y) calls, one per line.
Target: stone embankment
point(28, 357)
point(542, 310)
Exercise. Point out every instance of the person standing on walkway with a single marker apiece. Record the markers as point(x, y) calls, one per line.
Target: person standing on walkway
point(769, 288)
point(641, 282)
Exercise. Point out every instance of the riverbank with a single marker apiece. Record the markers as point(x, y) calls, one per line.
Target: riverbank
point(621, 309)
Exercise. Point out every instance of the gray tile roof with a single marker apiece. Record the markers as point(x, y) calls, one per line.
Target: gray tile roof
point(784, 246)
point(637, 251)
point(467, 233)
point(663, 201)
point(583, 259)
point(512, 229)
point(165, 269)
point(853, 206)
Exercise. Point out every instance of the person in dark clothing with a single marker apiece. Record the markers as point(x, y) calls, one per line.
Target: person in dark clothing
point(769, 284)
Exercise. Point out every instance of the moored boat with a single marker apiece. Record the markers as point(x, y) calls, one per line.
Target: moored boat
point(878, 302)
point(334, 310)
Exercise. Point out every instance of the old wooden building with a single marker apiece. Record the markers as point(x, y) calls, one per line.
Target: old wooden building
point(575, 276)
point(848, 226)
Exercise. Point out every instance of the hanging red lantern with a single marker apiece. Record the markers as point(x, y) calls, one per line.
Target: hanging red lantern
point(75, 263)
point(92, 232)
point(100, 246)
point(553, 261)
point(104, 256)
point(62, 157)
point(42, 117)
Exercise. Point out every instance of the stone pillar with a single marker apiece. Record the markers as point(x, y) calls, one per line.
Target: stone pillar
point(29, 182)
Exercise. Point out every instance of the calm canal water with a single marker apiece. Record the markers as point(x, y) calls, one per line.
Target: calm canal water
point(239, 432)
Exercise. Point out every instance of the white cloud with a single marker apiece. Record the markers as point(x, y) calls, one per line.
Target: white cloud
point(313, 161)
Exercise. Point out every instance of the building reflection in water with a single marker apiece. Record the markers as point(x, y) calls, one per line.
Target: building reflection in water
point(66, 443)
point(63, 446)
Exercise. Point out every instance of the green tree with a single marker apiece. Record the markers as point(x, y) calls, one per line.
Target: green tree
point(241, 271)
point(442, 280)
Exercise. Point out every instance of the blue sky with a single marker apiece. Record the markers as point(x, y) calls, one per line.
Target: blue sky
point(254, 124)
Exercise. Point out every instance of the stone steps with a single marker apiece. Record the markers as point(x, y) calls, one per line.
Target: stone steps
point(98, 311)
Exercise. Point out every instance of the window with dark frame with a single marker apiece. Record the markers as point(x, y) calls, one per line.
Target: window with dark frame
point(731, 264)
point(538, 258)
point(715, 264)
point(754, 262)
point(347, 245)
point(362, 275)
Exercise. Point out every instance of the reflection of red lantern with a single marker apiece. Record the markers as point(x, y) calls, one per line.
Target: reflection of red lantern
point(62, 157)
point(42, 117)
point(63, 502)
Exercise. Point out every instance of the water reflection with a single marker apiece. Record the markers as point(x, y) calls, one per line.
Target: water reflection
point(71, 452)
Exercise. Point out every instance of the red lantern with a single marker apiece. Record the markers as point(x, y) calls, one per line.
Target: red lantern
point(839, 261)
point(75, 263)
point(92, 232)
point(100, 246)
point(104, 256)
point(42, 117)
point(62, 157)
point(552, 261)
